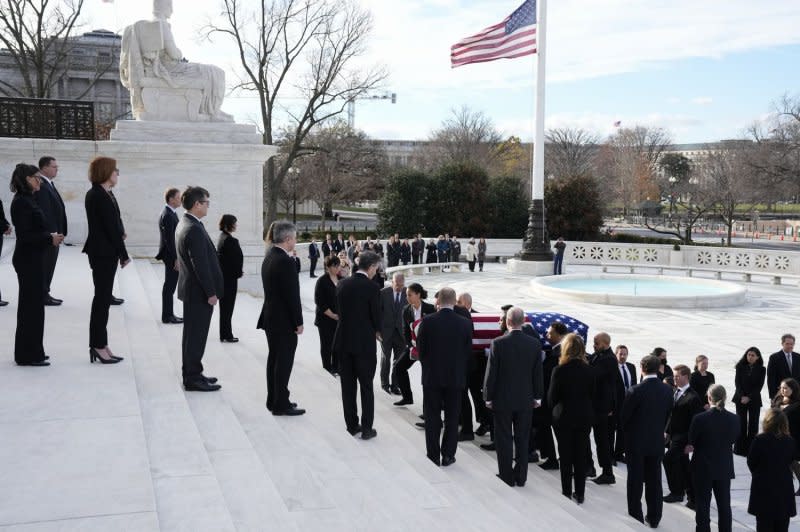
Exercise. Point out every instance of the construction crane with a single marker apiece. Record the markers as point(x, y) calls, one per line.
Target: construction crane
point(351, 105)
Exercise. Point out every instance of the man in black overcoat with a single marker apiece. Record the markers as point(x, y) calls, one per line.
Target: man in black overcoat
point(167, 223)
point(782, 365)
point(604, 363)
point(281, 315)
point(55, 215)
point(199, 286)
point(686, 405)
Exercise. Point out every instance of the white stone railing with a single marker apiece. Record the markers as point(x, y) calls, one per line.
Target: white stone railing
point(733, 259)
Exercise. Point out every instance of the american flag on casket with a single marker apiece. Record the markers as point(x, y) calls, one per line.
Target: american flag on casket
point(487, 328)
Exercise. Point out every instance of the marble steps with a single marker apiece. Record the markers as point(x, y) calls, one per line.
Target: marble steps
point(188, 494)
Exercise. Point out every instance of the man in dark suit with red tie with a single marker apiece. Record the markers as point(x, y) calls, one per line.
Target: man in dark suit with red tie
point(281, 315)
point(444, 342)
point(782, 365)
point(52, 206)
point(167, 253)
point(200, 284)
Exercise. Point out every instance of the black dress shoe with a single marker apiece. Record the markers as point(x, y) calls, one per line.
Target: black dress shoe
point(396, 390)
point(386, 388)
point(605, 479)
point(690, 505)
point(673, 497)
point(533, 457)
point(355, 430)
point(210, 380)
point(420, 424)
point(35, 364)
point(173, 319)
point(489, 446)
point(46, 357)
point(230, 340)
point(653, 524)
point(292, 411)
point(578, 498)
point(591, 472)
point(200, 386)
point(520, 483)
point(466, 436)
point(3, 303)
point(549, 464)
point(448, 460)
point(403, 402)
point(117, 300)
point(482, 429)
point(368, 434)
point(52, 302)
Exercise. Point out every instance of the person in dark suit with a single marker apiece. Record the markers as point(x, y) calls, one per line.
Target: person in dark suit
point(476, 376)
point(231, 262)
point(782, 365)
point(5, 229)
point(313, 257)
point(33, 238)
point(771, 489)
point(604, 363)
point(543, 417)
point(513, 387)
point(750, 375)
point(392, 252)
point(627, 379)
point(644, 416)
point(338, 244)
point(327, 246)
point(701, 378)
point(664, 370)
point(416, 309)
point(55, 216)
point(686, 405)
point(444, 342)
point(788, 400)
point(105, 246)
point(417, 249)
point(167, 223)
point(405, 252)
point(358, 301)
point(200, 286)
point(281, 315)
point(393, 343)
point(572, 387)
point(326, 315)
point(711, 439)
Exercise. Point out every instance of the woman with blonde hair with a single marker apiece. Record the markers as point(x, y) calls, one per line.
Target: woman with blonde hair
point(571, 389)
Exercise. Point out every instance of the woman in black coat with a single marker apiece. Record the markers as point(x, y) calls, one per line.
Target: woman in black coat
point(415, 310)
point(327, 313)
point(572, 386)
point(32, 241)
point(105, 246)
point(771, 490)
point(701, 379)
point(431, 257)
point(750, 374)
point(231, 262)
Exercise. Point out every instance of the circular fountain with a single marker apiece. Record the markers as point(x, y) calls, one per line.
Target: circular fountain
point(640, 290)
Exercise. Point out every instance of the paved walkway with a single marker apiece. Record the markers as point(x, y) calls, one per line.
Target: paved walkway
point(123, 447)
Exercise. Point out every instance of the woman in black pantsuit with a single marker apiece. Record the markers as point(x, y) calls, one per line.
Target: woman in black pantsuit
point(105, 247)
point(327, 313)
point(571, 390)
point(750, 374)
point(231, 262)
point(415, 310)
point(32, 241)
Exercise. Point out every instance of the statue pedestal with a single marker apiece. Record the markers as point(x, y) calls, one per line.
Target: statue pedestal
point(536, 268)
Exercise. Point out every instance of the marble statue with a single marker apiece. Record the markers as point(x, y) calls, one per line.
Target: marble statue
point(163, 85)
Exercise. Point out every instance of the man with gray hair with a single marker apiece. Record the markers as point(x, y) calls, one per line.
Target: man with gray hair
point(711, 438)
point(281, 315)
point(393, 301)
point(444, 342)
point(513, 388)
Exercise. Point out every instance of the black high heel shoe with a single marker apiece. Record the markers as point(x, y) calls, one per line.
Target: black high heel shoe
point(94, 355)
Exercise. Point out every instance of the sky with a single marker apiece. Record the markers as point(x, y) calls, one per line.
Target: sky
point(704, 70)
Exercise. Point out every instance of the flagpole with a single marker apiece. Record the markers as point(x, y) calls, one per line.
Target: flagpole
point(536, 244)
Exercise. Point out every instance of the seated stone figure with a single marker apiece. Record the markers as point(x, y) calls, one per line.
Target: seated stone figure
point(163, 85)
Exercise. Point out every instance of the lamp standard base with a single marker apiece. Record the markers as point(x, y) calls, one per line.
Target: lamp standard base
point(536, 244)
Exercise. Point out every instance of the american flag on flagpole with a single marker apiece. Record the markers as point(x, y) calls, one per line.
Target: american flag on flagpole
point(513, 37)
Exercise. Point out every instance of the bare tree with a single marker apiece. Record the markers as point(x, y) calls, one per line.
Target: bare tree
point(570, 153)
point(308, 49)
point(728, 175)
point(635, 153)
point(35, 34)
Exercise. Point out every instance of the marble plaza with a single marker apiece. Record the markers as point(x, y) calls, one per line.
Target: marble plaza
point(91, 447)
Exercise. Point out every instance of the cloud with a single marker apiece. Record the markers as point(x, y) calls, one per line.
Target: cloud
point(702, 100)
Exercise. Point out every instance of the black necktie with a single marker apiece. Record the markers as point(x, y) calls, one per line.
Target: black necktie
point(625, 377)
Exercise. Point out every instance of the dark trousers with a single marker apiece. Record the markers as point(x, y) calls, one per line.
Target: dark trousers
point(327, 328)
point(618, 448)
point(28, 340)
point(772, 524)
point(442, 256)
point(480, 265)
point(313, 266)
point(676, 468)
point(471, 265)
point(722, 494)
point(748, 426)
point(512, 426)
point(168, 291)
point(400, 370)
point(280, 360)
point(543, 430)
point(356, 373)
point(103, 271)
point(226, 304)
point(475, 389)
point(558, 261)
point(644, 470)
point(196, 322)
point(49, 260)
point(573, 446)
point(433, 399)
point(602, 442)
point(416, 258)
point(392, 348)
